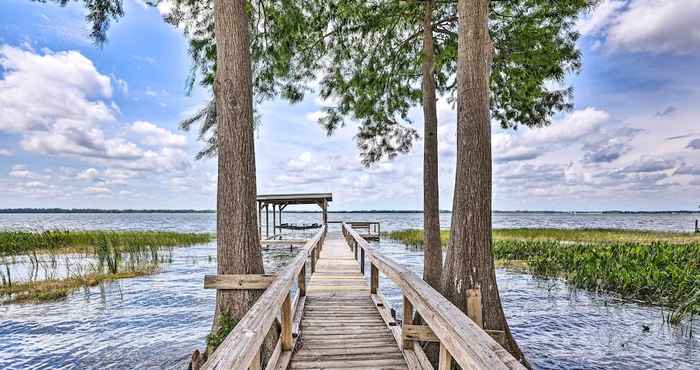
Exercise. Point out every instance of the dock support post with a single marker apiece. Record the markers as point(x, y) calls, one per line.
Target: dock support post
point(286, 334)
point(267, 221)
point(374, 279)
point(407, 320)
point(696, 227)
point(355, 251)
point(445, 360)
point(274, 222)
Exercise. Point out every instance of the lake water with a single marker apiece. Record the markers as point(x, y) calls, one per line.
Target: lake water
point(156, 321)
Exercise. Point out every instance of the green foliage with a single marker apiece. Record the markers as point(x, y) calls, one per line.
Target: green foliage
point(283, 45)
point(376, 55)
point(655, 267)
point(226, 324)
point(99, 14)
point(369, 56)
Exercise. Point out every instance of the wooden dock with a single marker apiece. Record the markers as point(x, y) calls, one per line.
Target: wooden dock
point(341, 326)
point(339, 320)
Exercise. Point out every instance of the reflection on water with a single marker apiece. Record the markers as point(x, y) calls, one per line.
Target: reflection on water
point(157, 321)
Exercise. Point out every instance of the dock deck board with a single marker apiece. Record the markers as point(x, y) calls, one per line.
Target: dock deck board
point(341, 327)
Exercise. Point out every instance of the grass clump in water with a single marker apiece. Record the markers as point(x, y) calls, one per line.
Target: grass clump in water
point(117, 255)
point(53, 289)
point(655, 267)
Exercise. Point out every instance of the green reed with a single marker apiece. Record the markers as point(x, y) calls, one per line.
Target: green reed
point(654, 267)
point(65, 241)
point(118, 254)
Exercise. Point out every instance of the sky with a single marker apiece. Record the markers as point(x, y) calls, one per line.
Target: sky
point(83, 126)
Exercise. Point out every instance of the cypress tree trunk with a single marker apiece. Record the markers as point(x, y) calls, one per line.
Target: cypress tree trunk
point(432, 268)
point(469, 263)
point(238, 243)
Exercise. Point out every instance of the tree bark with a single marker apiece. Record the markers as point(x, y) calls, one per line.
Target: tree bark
point(469, 263)
point(432, 267)
point(238, 242)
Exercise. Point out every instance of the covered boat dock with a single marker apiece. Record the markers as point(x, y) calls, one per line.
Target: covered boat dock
point(279, 202)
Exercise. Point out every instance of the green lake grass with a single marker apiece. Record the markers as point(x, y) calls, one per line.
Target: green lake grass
point(14, 243)
point(117, 255)
point(655, 267)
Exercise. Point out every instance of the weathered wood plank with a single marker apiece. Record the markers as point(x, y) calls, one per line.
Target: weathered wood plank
point(421, 333)
point(342, 327)
point(250, 281)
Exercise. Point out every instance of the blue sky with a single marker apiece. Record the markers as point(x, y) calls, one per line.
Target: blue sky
point(84, 126)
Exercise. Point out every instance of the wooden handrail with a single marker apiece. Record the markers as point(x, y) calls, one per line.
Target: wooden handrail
point(242, 345)
point(460, 338)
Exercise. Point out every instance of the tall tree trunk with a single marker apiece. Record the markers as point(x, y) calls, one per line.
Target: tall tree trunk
point(469, 263)
point(238, 243)
point(432, 267)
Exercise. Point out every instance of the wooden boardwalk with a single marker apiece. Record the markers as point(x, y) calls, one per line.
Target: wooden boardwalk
point(341, 327)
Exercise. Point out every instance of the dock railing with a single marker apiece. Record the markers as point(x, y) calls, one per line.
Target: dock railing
point(461, 339)
point(241, 348)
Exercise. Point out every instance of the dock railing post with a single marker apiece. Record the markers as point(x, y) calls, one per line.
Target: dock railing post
point(302, 281)
point(474, 310)
point(362, 261)
point(445, 359)
point(286, 335)
point(373, 279)
point(407, 320)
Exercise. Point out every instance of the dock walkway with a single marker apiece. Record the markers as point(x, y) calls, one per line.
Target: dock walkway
point(337, 318)
point(341, 327)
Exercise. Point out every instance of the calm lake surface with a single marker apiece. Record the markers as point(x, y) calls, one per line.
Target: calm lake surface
point(156, 321)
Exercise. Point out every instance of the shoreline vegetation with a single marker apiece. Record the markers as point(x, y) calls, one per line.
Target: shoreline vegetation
point(659, 268)
point(59, 262)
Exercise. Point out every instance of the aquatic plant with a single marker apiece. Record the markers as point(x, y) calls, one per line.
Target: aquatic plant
point(83, 241)
point(414, 237)
point(118, 254)
point(52, 289)
point(662, 271)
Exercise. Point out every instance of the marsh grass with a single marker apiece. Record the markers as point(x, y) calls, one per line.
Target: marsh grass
point(654, 267)
point(69, 241)
point(116, 254)
point(53, 289)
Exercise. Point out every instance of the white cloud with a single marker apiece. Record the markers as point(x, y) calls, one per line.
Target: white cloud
point(5, 152)
point(600, 18)
point(66, 83)
point(19, 171)
point(531, 143)
point(98, 190)
point(655, 26)
point(88, 175)
point(158, 136)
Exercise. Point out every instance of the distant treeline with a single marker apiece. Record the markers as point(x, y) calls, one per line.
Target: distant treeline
point(94, 210)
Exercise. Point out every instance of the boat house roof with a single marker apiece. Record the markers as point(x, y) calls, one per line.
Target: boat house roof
point(304, 198)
